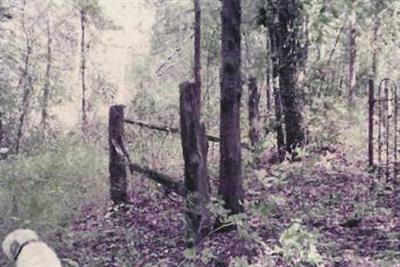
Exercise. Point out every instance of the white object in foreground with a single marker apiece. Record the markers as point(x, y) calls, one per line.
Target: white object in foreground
point(4, 150)
point(24, 247)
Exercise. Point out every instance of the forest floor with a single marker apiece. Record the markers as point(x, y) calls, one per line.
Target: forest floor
point(352, 215)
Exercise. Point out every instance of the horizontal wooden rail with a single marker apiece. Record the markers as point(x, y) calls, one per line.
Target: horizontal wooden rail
point(160, 128)
point(159, 178)
point(173, 130)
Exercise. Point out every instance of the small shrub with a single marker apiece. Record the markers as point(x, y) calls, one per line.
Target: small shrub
point(298, 246)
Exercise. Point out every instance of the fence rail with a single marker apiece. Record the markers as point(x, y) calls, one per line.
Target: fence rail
point(195, 186)
point(174, 130)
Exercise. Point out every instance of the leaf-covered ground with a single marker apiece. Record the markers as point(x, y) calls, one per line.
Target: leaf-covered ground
point(353, 214)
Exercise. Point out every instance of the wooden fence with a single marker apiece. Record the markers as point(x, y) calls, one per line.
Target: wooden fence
point(195, 186)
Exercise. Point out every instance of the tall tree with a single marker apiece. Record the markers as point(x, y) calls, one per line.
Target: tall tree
point(46, 88)
point(83, 14)
point(25, 81)
point(90, 16)
point(268, 75)
point(292, 56)
point(194, 148)
point(352, 52)
point(230, 180)
point(254, 113)
point(197, 49)
point(378, 6)
point(269, 16)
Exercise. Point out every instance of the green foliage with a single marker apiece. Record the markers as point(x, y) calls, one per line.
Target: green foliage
point(193, 256)
point(298, 246)
point(44, 191)
point(217, 209)
point(240, 221)
point(324, 120)
point(240, 262)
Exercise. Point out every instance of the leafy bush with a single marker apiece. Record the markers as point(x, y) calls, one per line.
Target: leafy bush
point(298, 246)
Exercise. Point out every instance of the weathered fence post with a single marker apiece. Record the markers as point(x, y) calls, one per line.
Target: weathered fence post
point(254, 113)
point(371, 102)
point(195, 148)
point(117, 164)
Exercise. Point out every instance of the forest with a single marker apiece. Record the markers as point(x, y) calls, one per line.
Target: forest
point(214, 133)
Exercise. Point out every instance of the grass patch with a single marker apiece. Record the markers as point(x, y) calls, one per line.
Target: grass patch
point(44, 191)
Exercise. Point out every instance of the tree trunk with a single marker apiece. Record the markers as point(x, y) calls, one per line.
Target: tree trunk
point(292, 55)
point(371, 104)
point(26, 83)
point(352, 54)
point(83, 70)
point(375, 52)
point(1, 130)
point(273, 26)
point(46, 88)
point(195, 148)
point(254, 113)
point(117, 164)
point(197, 50)
point(230, 181)
point(268, 76)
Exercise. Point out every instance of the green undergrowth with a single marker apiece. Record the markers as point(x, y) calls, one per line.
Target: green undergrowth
point(44, 191)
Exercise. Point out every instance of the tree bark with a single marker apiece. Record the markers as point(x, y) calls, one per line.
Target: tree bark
point(292, 57)
point(375, 52)
point(268, 76)
point(352, 54)
point(194, 148)
point(83, 70)
point(197, 50)
point(254, 113)
point(273, 26)
point(230, 180)
point(117, 164)
point(46, 88)
point(26, 83)
point(1, 129)
point(371, 104)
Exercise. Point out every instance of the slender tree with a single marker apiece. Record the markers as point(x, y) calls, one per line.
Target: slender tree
point(91, 18)
point(83, 15)
point(230, 181)
point(197, 49)
point(46, 88)
point(25, 81)
point(268, 76)
point(1, 129)
point(272, 22)
point(254, 113)
point(378, 6)
point(352, 52)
